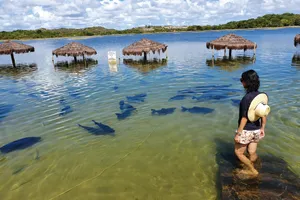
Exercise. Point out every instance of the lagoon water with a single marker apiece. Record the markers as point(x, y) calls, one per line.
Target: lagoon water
point(149, 157)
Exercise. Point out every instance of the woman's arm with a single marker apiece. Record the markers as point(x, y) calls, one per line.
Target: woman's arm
point(263, 125)
point(240, 128)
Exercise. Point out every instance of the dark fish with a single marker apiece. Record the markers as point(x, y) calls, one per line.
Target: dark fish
point(116, 87)
point(32, 95)
point(197, 110)
point(125, 114)
point(20, 144)
point(213, 86)
point(163, 111)
point(65, 110)
point(75, 95)
point(137, 98)
point(207, 97)
point(179, 97)
point(144, 82)
point(44, 93)
point(125, 106)
point(104, 127)
point(235, 102)
point(95, 131)
point(187, 91)
point(62, 101)
point(4, 110)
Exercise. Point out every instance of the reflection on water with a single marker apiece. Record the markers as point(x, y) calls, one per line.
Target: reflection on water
point(230, 63)
point(145, 66)
point(76, 66)
point(296, 60)
point(18, 71)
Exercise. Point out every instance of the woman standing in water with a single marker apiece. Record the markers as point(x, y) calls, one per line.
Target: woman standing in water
point(252, 120)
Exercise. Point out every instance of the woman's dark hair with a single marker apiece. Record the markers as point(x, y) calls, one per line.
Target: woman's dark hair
point(251, 80)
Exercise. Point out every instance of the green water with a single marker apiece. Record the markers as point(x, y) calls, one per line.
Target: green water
point(150, 157)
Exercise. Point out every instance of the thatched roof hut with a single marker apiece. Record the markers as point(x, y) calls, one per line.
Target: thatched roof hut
point(297, 40)
point(10, 47)
point(144, 46)
point(231, 42)
point(74, 49)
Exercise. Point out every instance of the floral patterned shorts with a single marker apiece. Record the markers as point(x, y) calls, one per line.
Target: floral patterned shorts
point(247, 137)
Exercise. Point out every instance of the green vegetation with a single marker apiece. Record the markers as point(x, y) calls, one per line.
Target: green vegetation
point(270, 20)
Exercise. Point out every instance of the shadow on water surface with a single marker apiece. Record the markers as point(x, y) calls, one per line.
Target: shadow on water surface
point(230, 63)
point(75, 67)
point(19, 71)
point(275, 180)
point(145, 66)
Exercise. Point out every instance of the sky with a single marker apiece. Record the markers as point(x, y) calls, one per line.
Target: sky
point(123, 14)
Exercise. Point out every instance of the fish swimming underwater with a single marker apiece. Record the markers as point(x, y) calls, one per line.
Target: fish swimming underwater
point(19, 144)
point(125, 106)
point(179, 97)
point(235, 102)
point(138, 98)
point(163, 111)
point(100, 130)
point(197, 110)
point(65, 110)
point(127, 113)
point(4, 110)
point(104, 127)
point(208, 97)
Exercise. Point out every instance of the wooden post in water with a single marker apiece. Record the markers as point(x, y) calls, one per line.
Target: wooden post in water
point(145, 56)
point(225, 51)
point(75, 59)
point(84, 60)
point(13, 59)
point(213, 51)
point(254, 48)
point(230, 53)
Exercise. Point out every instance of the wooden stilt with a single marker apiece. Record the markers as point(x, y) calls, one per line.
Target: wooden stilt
point(213, 51)
point(254, 51)
point(84, 60)
point(13, 59)
point(230, 53)
point(225, 51)
point(145, 56)
point(75, 59)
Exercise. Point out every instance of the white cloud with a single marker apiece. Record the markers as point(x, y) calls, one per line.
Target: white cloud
point(121, 14)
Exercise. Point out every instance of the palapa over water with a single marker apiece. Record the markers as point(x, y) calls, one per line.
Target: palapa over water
point(297, 40)
point(10, 47)
point(74, 49)
point(231, 42)
point(144, 46)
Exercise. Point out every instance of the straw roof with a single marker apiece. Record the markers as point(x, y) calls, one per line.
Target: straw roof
point(144, 46)
point(10, 47)
point(297, 40)
point(231, 41)
point(74, 49)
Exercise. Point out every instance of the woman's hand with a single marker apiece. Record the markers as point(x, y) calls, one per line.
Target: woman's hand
point(236, 138)
point(262, 133)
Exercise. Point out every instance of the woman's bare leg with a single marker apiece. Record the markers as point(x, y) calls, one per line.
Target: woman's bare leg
point(239, 150)
point(252, 151)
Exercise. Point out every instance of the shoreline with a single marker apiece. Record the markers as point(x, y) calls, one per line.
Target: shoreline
point(145, 33)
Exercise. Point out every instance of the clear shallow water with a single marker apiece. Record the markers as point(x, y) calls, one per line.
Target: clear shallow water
point(150, 157)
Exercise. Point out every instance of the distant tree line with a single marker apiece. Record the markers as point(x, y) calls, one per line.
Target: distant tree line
point(270, 20)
